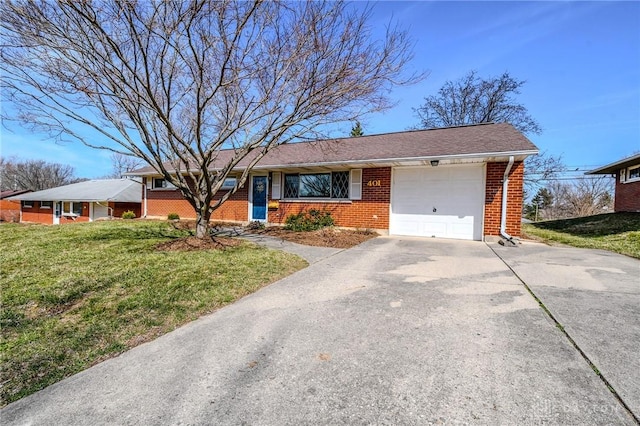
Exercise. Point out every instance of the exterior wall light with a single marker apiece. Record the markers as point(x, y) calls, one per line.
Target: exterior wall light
point(435, 163)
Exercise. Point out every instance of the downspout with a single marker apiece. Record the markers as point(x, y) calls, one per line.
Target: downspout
point(503, 218)
point(144, 189)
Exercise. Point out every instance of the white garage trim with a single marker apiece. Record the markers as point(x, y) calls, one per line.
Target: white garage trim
point(442, 201)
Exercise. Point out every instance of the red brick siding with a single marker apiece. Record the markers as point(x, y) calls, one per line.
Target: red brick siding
point(372, 212)
point(627, 197)
point(493, 198)
point(9, 211)
point(36, 214)
point(119, 208)
point(161, 202)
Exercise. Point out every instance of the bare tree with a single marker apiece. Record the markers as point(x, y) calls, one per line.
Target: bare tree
point(34, 175)
point(474, 100)
point(174, 83)
point(122, 164)
point(540, 169)
point(581, 197)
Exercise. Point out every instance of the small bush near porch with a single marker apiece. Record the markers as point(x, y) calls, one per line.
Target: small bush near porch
point(75, 295)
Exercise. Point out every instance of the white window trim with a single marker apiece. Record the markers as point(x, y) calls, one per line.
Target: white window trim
point(70, 213)
point(169, 186)
point(46, 207)
point(628, 173)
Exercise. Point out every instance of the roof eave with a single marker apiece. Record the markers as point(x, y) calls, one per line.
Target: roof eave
point(382, 161)
point(614, 167)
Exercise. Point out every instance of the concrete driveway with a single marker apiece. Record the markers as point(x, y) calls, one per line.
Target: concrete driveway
point(595, 296)
point(394, 331)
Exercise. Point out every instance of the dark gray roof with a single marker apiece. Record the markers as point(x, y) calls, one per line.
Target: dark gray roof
point(12, 193)
point(634, 160)
point(120, 190)
point(481, 140)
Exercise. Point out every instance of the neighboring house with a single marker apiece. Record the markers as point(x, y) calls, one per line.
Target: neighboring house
point(10, 210)
point(627, 174)
point(440, 182)
point(81, 202)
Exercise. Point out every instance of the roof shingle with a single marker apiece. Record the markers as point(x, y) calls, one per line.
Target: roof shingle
point(474, 140)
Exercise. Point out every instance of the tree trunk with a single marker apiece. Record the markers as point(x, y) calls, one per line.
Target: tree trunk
point(202, 224)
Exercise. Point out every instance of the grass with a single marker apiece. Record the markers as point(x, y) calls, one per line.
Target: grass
point(74, 295)
point(616, 232)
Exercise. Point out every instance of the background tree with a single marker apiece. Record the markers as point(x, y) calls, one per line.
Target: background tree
point(34, 175)
point(541, 201)
point(174, 83)
point(121, 164)
point(474, 100)
point(356, 130)
point(575, 198)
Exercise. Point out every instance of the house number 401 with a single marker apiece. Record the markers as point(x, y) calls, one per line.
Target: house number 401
point(373, 183)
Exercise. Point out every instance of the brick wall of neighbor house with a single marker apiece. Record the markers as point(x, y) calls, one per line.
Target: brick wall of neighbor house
point(36, 214)
point(371, 212)
point(9, 211)
point(627, 196)
point(493, 198)
point(119, 208)
point(161, 202)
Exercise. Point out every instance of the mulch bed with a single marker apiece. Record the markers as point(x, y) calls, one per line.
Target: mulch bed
point(327, 237)
point(193, 243)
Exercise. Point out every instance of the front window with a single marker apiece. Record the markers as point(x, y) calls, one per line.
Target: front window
point(317, 185)
point(27, 204)
point(634, 173)
point(162, 183)
point(46, 204)
point(71, 209)
point(229, 183)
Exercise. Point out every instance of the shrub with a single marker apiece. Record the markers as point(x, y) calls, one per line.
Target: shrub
point(308, 221)
point(128, 215)
point(173, 216)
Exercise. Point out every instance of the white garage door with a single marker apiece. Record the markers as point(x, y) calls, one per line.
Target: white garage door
point(443, 201)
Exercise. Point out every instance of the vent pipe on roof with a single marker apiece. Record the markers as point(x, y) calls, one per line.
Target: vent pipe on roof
point(503, 218)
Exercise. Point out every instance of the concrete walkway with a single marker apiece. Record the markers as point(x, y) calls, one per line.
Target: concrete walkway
point(394, 331)
point(309, 253)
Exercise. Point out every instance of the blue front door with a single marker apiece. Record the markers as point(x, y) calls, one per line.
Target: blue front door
point(259, 197)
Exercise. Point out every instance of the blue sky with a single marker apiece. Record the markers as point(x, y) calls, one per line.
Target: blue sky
point(581, 61)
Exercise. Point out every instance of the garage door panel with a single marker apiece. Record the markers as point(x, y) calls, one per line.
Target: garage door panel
point(455, 193)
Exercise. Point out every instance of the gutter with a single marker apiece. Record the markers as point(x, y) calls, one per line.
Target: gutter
point(144, 188)
point(472, 156)
point(503, 217)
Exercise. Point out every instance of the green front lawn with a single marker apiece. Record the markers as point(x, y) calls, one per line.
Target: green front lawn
point(616, 232)
point(74, 295)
